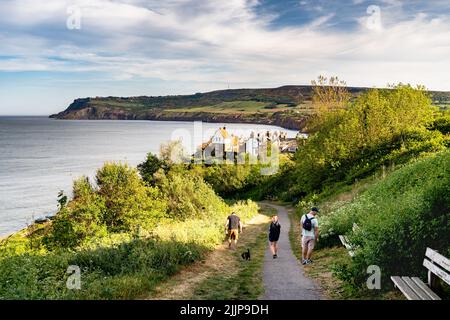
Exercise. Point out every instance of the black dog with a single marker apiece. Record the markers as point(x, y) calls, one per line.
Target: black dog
point(246, 255)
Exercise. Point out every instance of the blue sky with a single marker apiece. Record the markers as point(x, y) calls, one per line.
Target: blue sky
point(139, 47)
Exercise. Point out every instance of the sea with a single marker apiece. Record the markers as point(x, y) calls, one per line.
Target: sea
point(40, 156)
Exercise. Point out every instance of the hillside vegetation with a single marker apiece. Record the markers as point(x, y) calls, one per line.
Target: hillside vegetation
point(380, 161)
point(380, 129)
point(398, 217)
point(125, 236)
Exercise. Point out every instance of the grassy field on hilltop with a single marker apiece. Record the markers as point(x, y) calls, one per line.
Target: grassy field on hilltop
point(236, 107)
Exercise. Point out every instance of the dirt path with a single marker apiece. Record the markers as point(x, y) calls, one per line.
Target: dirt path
point(182, 285)
point(284, 278)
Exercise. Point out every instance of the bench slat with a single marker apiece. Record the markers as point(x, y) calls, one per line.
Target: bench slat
point(438, 258)
point(346, 244)
point(344, 241)
point(417, 290)
point(404, 288)
point(437, 271)
point(425, 288)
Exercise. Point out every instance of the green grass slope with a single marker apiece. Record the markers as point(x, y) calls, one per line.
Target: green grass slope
point(398, 218)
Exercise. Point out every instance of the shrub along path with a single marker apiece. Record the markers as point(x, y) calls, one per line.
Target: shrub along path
point(284, 278)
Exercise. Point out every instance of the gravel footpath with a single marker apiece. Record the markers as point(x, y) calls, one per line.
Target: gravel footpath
point(283, 277)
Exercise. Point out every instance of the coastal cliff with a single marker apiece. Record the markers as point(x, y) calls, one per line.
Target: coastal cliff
point(281, 119)
point(287, 107)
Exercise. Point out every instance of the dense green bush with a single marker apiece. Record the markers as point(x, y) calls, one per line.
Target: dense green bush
point(149, 167)
point(398, 218)
point(232, 180)
point(32, 276)
point(441, 123)
point(188, 195)
point(130, 203)
point(122, 202)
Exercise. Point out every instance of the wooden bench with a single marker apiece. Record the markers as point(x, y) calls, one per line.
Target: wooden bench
point(347, 244)
point(415, 289)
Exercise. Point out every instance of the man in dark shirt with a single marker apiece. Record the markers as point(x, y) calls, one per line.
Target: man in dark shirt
point(232, 228)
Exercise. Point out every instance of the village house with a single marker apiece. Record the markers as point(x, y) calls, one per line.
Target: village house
point(252, 146)
point(223, 143)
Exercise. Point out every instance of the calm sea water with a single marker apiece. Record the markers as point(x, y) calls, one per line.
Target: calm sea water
point(41, 156)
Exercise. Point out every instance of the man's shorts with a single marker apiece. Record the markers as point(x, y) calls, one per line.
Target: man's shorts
point(233, 234)
point(308, 242)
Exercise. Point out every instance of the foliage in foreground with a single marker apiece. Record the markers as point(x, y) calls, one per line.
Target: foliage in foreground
point(117, 266)
point(125, 236)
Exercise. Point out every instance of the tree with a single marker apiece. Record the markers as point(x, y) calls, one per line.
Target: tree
point(130, 204)
point(79, 221)
point(329, 95)
point(188, 195)
point(82, 188)
point(147, 168)
point(122, 203)
point(173, 153)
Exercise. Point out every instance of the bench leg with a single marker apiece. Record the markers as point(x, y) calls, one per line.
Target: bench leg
point(432, 280)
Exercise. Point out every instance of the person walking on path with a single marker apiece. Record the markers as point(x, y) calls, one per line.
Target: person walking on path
point(274, 235)
point(310, 234)
point(232, 228)
point(284, 278)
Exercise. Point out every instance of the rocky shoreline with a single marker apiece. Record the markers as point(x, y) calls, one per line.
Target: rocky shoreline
point(280, 119)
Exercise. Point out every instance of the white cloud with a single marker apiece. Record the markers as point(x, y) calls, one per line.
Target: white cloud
point(219, 41)
point(321, 20)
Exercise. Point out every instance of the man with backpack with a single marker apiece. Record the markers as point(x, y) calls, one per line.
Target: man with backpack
point(310, 234)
